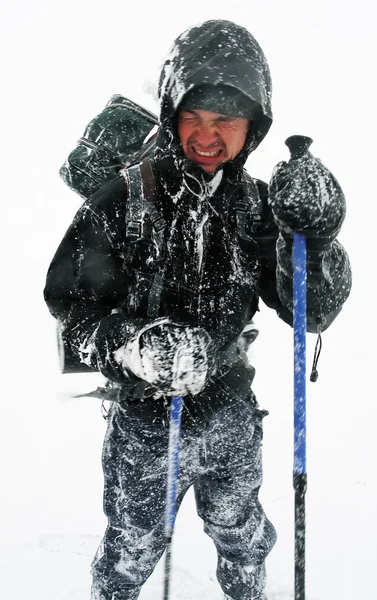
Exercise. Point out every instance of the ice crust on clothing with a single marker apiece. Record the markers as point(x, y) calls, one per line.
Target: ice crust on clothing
point(222, 459)
point(177, 355)
point(174, 81)
point(304, 194)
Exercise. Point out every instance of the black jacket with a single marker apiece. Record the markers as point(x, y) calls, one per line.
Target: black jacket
point(213, 268)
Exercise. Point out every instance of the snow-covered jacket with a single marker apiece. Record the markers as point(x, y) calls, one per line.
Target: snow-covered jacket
point(222, 248)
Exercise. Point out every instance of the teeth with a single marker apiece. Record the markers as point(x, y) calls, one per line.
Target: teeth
point(216, 153)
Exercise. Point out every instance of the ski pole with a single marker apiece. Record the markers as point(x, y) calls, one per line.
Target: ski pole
point(298, 146)
point(299, 466)
point(172, 484)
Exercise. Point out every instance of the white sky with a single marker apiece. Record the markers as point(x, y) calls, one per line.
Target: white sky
point(61, 62)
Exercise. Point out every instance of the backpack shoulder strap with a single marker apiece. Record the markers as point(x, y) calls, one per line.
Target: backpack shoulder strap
point(150, 193)
point(149, 182)
point(249, 209)
point(143, 217)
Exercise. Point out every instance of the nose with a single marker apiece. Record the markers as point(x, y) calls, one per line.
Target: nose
point(206, 135)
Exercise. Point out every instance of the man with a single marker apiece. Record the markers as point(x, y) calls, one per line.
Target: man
point(158, 322)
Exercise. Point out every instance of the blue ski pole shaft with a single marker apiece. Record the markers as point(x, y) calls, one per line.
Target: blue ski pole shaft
point(299, 147)
point(172, 484)
point(299, 466)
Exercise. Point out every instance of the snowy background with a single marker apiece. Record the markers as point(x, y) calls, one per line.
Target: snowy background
point(61, 62)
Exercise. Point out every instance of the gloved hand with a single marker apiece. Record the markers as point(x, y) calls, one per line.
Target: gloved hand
point(305, 197)
point(176, 359)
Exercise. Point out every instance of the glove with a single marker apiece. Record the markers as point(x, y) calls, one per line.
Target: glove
point(100, 350)
point(305, 197)
point(176, 359)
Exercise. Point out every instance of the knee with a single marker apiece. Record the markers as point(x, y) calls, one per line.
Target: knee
point(246, 545)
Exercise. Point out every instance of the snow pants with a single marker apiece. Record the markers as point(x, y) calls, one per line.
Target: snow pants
point(221, 458)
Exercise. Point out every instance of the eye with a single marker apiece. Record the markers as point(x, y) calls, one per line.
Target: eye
point(225, 121)
point(187, 117)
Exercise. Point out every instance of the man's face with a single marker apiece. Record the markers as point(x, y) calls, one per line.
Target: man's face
point(210, 139)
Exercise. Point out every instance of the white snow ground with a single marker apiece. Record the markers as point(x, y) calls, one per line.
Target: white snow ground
point(61, 63)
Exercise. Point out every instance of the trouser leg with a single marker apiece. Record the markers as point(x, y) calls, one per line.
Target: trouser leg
point(227, 501)
point(134, 464)
point(135, 458)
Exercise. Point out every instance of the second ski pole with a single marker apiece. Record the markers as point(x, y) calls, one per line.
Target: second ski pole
point(299, 146)
point(172, 484)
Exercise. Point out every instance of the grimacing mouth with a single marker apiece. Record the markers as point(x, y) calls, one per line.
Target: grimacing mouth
point(213, 154)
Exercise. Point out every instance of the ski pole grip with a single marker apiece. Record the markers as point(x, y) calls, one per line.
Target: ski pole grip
point(298, 145)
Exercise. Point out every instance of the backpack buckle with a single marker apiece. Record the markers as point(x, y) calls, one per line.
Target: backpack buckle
point(134, 229)
point(159, 224)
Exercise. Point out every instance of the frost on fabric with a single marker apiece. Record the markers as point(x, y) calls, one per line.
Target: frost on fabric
point(225, 452)
point(328, 280)
point(87, 349)
point(180, 88)
point(211, 251)
point(304, 195)
point(215, 182)
point(214, 52)
point(177, 355)
point(129, 355)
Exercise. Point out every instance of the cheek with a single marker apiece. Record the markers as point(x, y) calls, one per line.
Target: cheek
point(184, 133)
point(238, 141)
point(232, 141)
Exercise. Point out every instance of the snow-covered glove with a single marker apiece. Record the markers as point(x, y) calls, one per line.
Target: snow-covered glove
point(100, 350)
point(306, 198)
point(174, 358)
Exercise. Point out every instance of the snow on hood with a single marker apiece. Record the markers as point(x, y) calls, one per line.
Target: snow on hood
point(217, 52)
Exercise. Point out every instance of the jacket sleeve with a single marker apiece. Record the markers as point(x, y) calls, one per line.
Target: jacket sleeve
point(87, 282)
point(328, 273)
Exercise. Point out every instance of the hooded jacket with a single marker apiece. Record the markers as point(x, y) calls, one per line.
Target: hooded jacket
point(220, 244)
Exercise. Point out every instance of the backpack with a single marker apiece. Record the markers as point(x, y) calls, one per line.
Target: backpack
point(122, 135)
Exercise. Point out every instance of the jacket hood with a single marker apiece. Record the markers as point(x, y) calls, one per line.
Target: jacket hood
point(217, 53)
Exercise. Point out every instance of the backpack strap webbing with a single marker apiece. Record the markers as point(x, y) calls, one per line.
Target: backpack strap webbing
point(149, 183)
point(149, 187)
point(249, 209)
point(143, 218)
